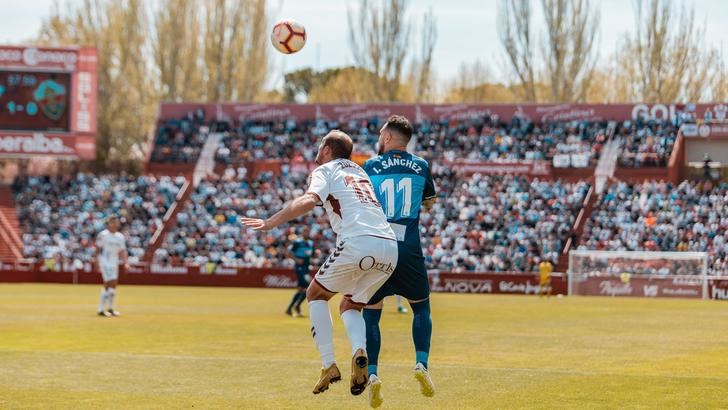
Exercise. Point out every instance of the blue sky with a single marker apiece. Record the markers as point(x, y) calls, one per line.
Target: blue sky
point(467, 29)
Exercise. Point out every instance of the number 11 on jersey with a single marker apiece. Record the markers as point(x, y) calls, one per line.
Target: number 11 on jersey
point(403, 190)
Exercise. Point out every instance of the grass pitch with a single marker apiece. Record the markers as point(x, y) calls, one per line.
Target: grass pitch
point(233, 348)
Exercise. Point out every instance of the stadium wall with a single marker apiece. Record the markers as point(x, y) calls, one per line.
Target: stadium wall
point(436, 112)
point(450, 282)
point(488, 282)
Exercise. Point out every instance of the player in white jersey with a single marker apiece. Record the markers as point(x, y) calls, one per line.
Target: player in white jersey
point(364, 258)
point(111, 250)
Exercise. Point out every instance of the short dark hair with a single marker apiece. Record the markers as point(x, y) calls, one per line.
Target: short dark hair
point(400, 125)
point(340, 143)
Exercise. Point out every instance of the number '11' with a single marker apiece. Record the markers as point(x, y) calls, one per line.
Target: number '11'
point(405, 187)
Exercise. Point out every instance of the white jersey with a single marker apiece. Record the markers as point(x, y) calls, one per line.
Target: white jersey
point(109, 245)
point(346, 192)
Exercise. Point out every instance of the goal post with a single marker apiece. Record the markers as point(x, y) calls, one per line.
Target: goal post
point(638, 273)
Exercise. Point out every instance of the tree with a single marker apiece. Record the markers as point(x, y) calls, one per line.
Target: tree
point(421, 76)
point(141, 61)
point(569, 51)
point(235, 53)
point(473, 84)
point(666, 56)
point(298, 85)
point(177, 51)
point(346, 85)
point(127, 101)
point(381, 40)
point(517, 38)
point(719, 87)
point(567, 56)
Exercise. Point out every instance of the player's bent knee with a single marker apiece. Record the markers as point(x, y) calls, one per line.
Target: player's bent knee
point(348, 304)
point(316, 292)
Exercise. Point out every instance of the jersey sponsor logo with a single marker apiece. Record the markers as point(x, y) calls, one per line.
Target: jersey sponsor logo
point(368, 263)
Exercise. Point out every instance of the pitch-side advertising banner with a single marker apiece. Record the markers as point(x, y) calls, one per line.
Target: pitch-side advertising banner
point(440, 112)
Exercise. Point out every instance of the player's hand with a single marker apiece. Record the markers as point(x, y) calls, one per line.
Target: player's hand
point(256, 224)
point(427, 204)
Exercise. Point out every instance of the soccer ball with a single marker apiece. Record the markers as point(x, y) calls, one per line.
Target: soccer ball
point(288, 36)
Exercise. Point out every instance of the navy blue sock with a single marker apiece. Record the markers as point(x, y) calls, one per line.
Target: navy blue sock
point(293, 302)
point(421, 330)
point(374, 338)
point(301, 298)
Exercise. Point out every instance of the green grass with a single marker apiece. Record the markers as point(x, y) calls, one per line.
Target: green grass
point(233, 348)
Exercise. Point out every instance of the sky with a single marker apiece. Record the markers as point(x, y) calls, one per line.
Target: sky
point(467, 29)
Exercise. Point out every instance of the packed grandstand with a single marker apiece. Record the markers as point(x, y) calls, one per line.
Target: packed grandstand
point(481, 222)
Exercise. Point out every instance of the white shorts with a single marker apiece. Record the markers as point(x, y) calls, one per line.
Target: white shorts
point(358, 267)
point(109, 270)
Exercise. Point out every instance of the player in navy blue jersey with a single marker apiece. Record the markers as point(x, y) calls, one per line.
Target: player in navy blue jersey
point(301, 250)
point(403, 185)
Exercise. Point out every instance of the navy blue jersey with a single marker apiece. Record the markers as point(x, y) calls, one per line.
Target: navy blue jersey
point(302, 249)
point(401, 182)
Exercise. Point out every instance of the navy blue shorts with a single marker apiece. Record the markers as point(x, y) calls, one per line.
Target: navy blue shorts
point(408, 280)
point(301, 272)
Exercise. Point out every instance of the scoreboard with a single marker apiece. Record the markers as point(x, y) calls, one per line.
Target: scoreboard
point(48, 102)
point(34, 100)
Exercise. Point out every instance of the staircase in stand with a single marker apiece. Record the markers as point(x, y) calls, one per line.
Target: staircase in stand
point(205, 165)
point(608, 161)
point(11, 244)
point(169, 220)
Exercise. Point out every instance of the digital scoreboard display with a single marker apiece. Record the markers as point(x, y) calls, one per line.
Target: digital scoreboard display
point(34, 101)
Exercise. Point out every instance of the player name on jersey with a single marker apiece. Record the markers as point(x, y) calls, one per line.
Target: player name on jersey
point(393, 161)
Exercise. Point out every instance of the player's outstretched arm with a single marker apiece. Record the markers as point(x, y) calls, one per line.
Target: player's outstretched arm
point(299, 206)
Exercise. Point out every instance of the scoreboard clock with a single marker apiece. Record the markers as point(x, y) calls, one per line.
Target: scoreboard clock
point(34, 101)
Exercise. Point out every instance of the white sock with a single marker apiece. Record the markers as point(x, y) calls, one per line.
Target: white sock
point(102, 300)
point(110, 294)
point(322, 330)
point(356, 329)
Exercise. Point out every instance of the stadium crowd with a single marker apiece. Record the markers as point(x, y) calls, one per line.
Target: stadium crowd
point(208, 228)
point(483, 139)
point(647, 143)
point(60, 216)
point(498, 223)
point(180, 140)
point(481, 223)
point(658, 216)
